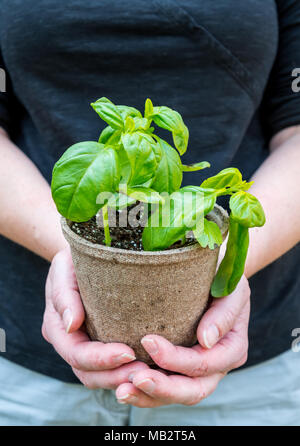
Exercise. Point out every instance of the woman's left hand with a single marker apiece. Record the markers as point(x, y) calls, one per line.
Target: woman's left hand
point(191, 374)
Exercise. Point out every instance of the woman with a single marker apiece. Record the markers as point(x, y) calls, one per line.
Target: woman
point(226, 67)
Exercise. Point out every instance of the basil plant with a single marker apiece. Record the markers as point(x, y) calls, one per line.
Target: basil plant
point(130, 163)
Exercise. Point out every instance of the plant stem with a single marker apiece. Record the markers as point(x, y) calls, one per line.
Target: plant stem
point(106, 226)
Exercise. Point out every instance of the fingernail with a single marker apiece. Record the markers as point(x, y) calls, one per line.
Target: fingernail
point(123, 357)
point(127, 399)
point(67, 319)
point(148, 385)
point(150, 345)
point(211, 336)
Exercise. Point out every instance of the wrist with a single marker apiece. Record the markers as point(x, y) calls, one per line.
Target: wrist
point(48, 238)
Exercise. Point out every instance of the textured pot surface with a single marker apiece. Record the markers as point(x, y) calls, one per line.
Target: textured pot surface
point(128, 294)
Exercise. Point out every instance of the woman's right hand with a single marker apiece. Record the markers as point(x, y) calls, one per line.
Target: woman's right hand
point(97, 365)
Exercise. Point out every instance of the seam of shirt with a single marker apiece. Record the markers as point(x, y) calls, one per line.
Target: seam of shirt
point(222, 55)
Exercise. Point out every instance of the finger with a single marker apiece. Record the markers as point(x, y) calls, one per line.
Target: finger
point(110, 379)
point(78, 351)
point(129, 394)
point(197, 361)
point(62, 291)
point(151, 388)
point(222, 314)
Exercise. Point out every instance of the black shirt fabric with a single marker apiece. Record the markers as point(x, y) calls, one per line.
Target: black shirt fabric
point(225, 65)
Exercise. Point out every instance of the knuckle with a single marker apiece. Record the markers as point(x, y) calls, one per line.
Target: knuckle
point(242, 361)
point(197, 397)
point(85, 379)
point(78, 373)
point(193, 401)
point(90, 385)
point(245, 290)
point(56, 259)
point(100, 361)
point(72, 360)
point(85, 382)
point(202, 393)
point(243, 350)
point(44, 332)
point(165, 395)
point(55, 297)
point(246, 345)
point(200, 369)
point(228, 319)
point(241, 355)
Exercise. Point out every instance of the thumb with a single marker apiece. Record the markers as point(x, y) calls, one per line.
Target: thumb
point(220, 318)
point(62, 293)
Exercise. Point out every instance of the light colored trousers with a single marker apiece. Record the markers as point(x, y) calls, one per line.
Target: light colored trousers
point(266, 394)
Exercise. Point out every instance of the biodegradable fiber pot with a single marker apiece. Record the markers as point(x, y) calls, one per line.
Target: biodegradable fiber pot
point(128, 294)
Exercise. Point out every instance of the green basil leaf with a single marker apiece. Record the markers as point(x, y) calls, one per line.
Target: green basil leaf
point(209, 236)
point(194, 167)
point(145, 135)
point(106, 134)
point(171, 120)
point(110, 136)
point(108, 112)
point(129, 124)
point(126, 111)
point(245, 185)
point(166, 118)
point(208, 197)
point(148, 108)
point(181, 211)
point(168, 176)
point(85, 170)
point(158, 152)
point(125, 168)
point(226, 178)
point(120, 201)
point(232, 266)
point(141, 123)
point(143, 194)
point(156, 235)
point(181, 138)
point(247, 210)
point(141, 158)
point(155, 147)
point(124, 161)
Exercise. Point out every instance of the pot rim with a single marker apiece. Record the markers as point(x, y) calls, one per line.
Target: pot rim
point(218, 214)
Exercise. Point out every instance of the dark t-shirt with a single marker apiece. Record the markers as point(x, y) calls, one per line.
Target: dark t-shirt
point(213, 61)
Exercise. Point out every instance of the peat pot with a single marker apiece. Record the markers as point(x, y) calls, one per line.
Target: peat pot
point(128, 294)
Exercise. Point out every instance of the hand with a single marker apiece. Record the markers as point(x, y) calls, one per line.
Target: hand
point(97, 365)
point(223, 344)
